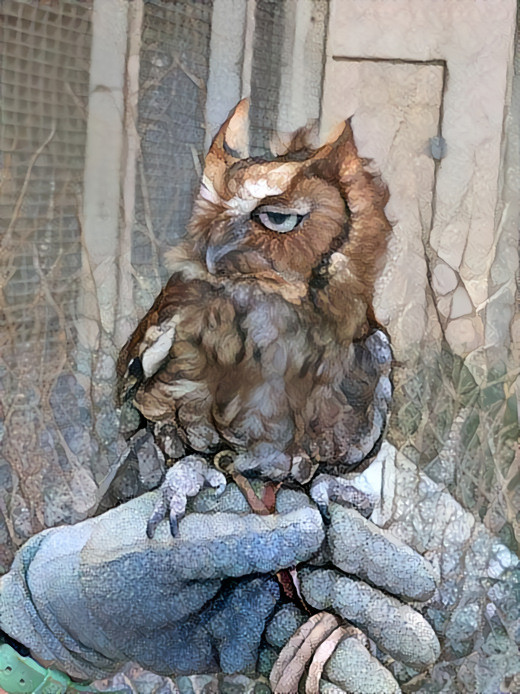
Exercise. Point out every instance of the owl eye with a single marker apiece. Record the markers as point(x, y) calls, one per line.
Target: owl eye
point(277, 219)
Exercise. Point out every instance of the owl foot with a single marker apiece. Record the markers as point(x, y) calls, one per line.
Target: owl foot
point(186, 478)
point(266, 461)
point(262, 506)
point(327, 488)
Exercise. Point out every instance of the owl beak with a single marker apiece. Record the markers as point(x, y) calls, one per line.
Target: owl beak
point(214, 254)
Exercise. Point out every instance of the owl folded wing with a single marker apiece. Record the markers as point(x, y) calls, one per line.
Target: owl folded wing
point(368, 390)
point(150, 344)
point(186, 346)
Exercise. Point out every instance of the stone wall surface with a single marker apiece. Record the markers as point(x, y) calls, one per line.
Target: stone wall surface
point(433, 93)
point(474, 210)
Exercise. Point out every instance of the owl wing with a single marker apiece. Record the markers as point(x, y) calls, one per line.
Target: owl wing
point(150, 344)
point(186, 347)
point(368, 390)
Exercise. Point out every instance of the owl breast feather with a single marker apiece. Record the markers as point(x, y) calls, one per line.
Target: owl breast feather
point(261, 370)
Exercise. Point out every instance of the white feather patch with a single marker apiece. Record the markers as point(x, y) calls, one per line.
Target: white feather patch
point(238, 205)
point(261, 188)
point(267, 182)
point(208, 192)
point(156, 353)
point(182, 387)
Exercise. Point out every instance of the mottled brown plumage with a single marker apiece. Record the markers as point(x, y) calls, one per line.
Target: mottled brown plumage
point(264, 339)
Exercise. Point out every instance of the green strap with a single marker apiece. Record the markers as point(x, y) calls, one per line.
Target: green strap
point(23, 675)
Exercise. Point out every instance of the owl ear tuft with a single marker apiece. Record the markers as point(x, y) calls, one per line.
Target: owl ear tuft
point(341, 133)
point(338, 153)
point(232, 140)
point(339, 139)
point(231, 144)
point(303, 141)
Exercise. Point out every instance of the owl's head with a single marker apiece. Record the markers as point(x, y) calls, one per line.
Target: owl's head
point(285, 216)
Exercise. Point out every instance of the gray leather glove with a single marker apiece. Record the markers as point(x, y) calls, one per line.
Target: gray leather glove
point(475, 609)
point(90, 597)
point(93, 596)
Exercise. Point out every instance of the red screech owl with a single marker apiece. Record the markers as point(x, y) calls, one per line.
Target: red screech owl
point(264, 340)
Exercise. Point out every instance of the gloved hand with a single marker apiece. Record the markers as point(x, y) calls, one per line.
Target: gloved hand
point(87, 598)
point(92, 596)
point(475, 609)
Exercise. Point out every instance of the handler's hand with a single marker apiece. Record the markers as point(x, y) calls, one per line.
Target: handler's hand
point(89, 597)
point(92, 596)
point(475, 607)
point(328, 653)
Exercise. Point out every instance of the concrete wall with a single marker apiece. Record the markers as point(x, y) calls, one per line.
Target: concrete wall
point(408, 70)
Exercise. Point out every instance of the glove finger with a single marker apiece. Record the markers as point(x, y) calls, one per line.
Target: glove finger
point(354, 669)
point(395, 627)
point(363, 549)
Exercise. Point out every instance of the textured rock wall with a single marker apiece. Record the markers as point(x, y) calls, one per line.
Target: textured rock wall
point(378, 56)
point(434, 97)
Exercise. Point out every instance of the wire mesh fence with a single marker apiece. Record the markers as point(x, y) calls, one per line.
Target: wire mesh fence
point(57, 395)
point(44, 94)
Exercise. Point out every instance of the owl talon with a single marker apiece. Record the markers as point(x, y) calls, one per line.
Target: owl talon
point(174, 524)
point(156, 517)
point(186, 478)
point(216, 480)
